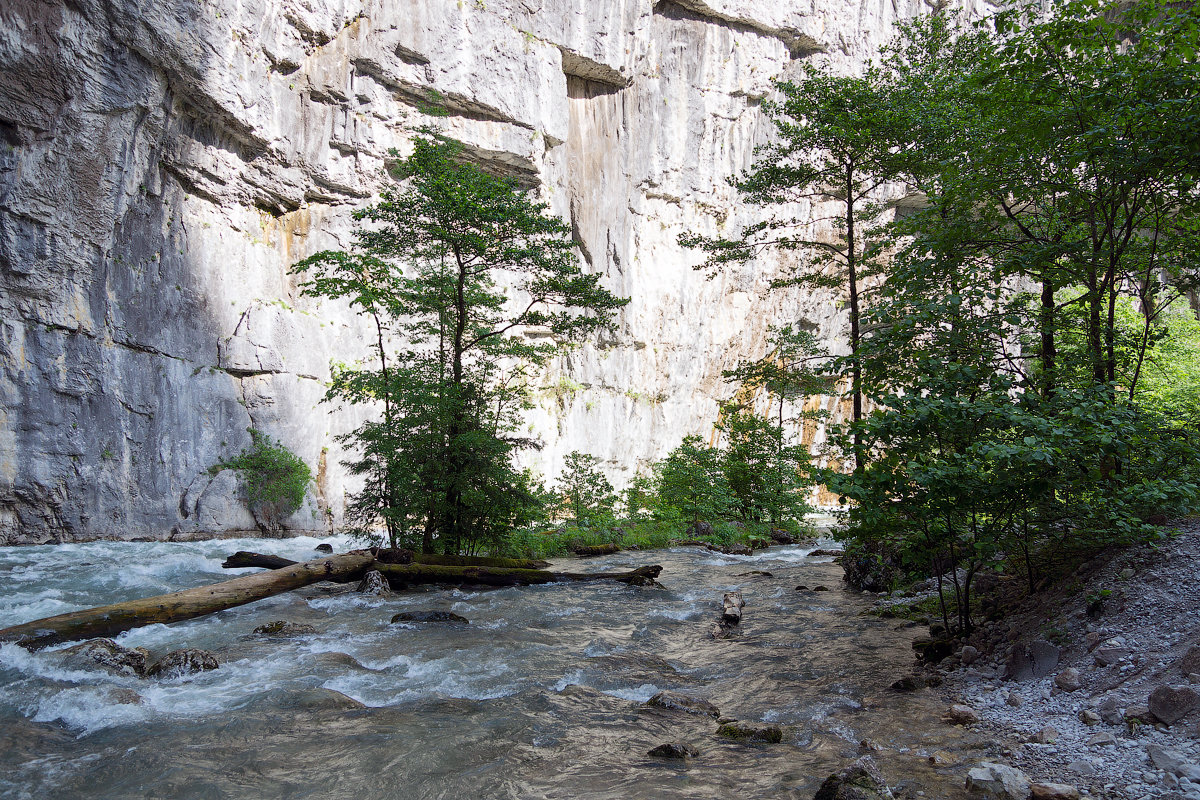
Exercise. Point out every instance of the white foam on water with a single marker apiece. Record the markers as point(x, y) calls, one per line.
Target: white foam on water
point(638, 694)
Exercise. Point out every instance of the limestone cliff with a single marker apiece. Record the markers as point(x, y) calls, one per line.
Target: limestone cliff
point(163, 163)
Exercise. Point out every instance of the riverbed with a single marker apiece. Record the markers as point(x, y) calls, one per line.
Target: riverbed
point(540, 696)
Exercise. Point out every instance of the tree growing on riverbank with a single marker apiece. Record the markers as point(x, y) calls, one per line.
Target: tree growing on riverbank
point(1058, 221)
point(453, 350)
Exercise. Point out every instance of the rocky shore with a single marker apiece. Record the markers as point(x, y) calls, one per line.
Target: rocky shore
point(1091, 687)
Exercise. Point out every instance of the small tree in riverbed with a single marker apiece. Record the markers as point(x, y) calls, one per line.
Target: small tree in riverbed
point(441, 456)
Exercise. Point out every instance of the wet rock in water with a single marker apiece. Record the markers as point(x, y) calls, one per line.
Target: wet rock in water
point(721, 631)
point(909, 683)
point(283, 629)
point(1054, 791)
point(802, 588)
point(750, 732)
point(962, 715)
point(123, 696)
point(189, 661)
point(859, 781)
point(374, 583)
point(673, 750)
point(820, 588)
point(1036, 660)
point(1069, 680)
point(1047, 735)
point(108, 656)
point(735, 550)
point(969, 655)
point(940, 758)
point(731, 608)
point(826, 553)
point(932, 651)
point(673, 701)
point(1089, 717)
point(991, 781)
point(448, 617)
point(1169, 704)
point(752, 572)
point(1190, 663)
point(780, 536)
point(324, 547)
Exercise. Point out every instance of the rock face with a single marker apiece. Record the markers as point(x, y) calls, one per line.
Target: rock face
point(162, 165)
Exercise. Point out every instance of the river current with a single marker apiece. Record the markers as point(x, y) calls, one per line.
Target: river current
point(540, 696)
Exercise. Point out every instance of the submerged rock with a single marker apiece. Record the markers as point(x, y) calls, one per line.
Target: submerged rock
point(990, 781)
point(859, 781)
point(673, 750)
point(283, 629)
point(448, 617)
point(673, 701)
point(188, 661)
point(750, 732)
point(108, 656)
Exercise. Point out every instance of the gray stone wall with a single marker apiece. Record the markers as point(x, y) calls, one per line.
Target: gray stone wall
point(164, 162)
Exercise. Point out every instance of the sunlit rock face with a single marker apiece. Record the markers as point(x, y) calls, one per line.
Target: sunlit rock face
point(164, 162)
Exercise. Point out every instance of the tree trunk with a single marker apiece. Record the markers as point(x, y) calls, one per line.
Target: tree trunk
point(413, 574)
point(243, 558)
point(178, 606)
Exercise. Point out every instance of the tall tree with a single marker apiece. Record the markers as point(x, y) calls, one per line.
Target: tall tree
point(832, 142)
point(453, 345)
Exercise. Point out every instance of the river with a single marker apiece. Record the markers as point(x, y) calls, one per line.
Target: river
point(540, 696)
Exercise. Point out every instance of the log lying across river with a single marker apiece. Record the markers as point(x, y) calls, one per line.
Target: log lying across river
point(175, 607)
point(117, 618)
point(245, 558)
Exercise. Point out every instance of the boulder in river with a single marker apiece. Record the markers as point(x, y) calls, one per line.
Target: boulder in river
point(751, 732)
point(1169, 704)
point(673, 701)
point(909, 683)
point(859, 781)
point(673, 750)
point(374, 583)
point(188, 661)
point(282, 629)
point(108, 656)
point(324, 547)
point(448, 617)
point(991, 781)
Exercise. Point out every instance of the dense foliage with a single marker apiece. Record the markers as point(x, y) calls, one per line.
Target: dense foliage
point(1023, 343)
point(275, 479)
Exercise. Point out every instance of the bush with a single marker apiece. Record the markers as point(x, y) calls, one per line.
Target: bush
point(271, 474)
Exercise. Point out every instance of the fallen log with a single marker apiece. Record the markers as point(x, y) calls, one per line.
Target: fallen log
point(400, 575)
point(588, 550)
point(245, 558)
point(117, 618)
